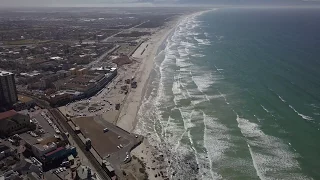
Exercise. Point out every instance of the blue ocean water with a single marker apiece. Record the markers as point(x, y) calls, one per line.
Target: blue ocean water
point(235, 94)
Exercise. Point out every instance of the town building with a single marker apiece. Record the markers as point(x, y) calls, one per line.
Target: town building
point(9, 175)
point(46, 142)
point(5, 151)
point(27, 166)
point(8, 91)
point(23, 103)
point(12, 123)
point(85, 173)
point(84, 83)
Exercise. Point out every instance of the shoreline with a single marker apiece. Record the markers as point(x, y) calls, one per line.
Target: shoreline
point(154, 161)
point(128, 115)
point(150, 49)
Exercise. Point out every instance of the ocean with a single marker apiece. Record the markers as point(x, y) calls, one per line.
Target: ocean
point(235, 94)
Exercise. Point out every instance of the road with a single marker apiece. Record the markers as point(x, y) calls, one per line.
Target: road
point(100, 58)
point(81, 147)
point(106, 39)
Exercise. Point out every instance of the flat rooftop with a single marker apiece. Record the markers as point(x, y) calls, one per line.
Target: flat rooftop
point(5, 73)
point(103, 142)
point(48, 129)
point(24, 99)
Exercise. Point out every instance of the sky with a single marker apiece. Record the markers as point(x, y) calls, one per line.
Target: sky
point(50, 3)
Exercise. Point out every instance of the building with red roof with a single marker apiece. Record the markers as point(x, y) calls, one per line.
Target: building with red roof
point(12, 123)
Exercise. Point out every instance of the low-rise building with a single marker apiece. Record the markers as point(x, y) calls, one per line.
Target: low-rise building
point(85, 173)
point(5, 151)
point(12, 123)
point(82, 71)
point(27, 166)
point(24, 102)
point(87, 84)
point(38, 144)
point(9, 175)
point(65, 96)
point(46, 142)
point(73, 71)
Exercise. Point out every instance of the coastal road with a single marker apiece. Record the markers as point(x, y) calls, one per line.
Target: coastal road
point(100, 58)
point(106, 39)
point(63, 122)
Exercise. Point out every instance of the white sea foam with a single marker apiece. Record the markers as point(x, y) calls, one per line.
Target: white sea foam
point(203, 82)
point(281, 98)
point(224, 97)
point(187, 44)
point(173, 132)
point(219, 38)
point(203, 41)
point(177, 90)
point(269, 153)
point(170, 130)
point(186, 116)
point(218, 69)
point(301, 115)
point(198, 55)
point(215, 135)
point(315, 106)
point(265, 109)
point(212, 97)
point(205, 170)
point(183, 63)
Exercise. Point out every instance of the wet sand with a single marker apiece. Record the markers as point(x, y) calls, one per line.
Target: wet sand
point(154, 162)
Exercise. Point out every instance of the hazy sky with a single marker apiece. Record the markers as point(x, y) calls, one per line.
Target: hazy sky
point(31, 3)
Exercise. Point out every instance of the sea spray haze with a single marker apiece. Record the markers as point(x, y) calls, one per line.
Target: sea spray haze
point(235, 94)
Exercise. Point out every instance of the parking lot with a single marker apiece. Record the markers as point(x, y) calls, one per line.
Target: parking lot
point(110, 142)
point(104, 142)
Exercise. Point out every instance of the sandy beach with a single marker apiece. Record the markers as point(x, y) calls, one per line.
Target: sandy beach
point(153, 161)
point(146, 54)
point(140, 69)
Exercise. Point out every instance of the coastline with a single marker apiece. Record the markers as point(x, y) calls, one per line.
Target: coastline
point(154, 161)
point(127, 118)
